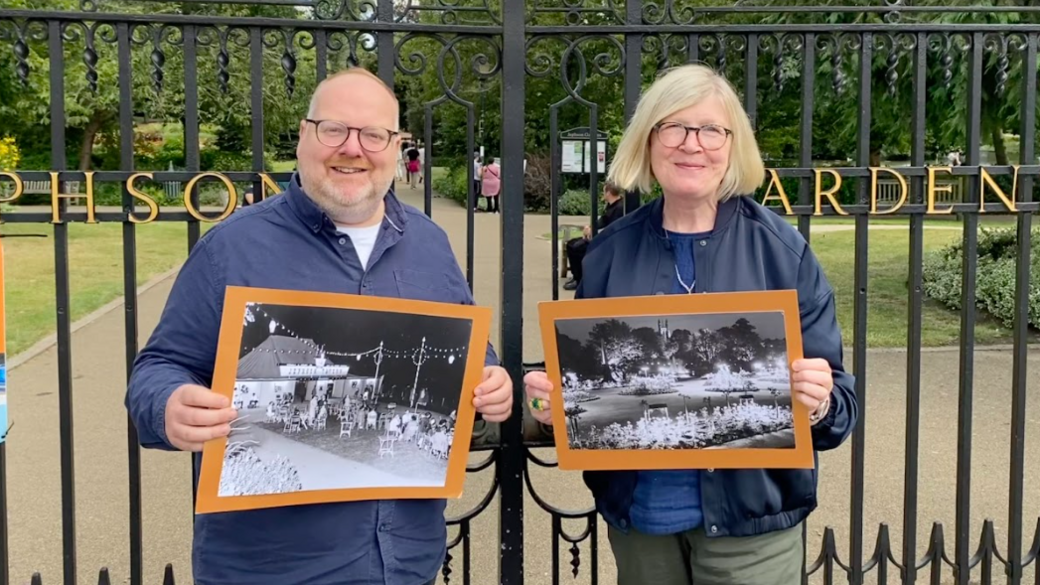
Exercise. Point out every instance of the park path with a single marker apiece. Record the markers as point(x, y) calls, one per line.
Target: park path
point(34, 469)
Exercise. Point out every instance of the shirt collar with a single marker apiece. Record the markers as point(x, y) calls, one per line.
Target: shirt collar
point(315, 218)
point(723, 214)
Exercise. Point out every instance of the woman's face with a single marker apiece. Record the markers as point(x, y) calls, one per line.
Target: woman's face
point(692, 168)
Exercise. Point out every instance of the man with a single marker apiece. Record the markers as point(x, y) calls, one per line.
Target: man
point(576, 247)
point(337, 228)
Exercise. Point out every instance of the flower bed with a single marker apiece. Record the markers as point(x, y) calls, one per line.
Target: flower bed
point(578, 395)
point(698, 429)
point(649, 385)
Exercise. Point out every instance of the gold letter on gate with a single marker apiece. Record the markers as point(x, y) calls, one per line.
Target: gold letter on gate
point(829, 193)
point(232, 197)
point(153, 209)
point(56, 196)
point(873, 190)
point(782, 195)
point(987, 178)
point(267, 182)
point(932, 190)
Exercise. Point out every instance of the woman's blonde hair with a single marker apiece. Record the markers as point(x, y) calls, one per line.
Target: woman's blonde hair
point(677, 89)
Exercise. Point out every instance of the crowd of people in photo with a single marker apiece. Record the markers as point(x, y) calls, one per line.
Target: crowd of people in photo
point(431, 433)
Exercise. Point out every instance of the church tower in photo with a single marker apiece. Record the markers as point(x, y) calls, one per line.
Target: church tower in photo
point(662, 329)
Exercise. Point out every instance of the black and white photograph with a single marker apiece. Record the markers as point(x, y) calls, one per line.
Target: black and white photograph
point(700, 381)
point(335, 398)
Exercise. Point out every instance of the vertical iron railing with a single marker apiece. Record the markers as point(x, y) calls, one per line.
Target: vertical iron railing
point(859, 317)
point(1016, 487)
point(63, 304)
point(126, 162)
point(962, 554)
point(915, 306)
point(510, 468)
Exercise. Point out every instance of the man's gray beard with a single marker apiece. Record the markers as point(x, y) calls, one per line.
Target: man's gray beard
point(327, 199)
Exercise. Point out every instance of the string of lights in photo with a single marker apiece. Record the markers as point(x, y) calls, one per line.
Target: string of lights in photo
point(418, 356)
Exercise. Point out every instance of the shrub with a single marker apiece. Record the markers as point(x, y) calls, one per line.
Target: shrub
point(452, 184)
point(576, 202)
point(9, 154)
point(576, 395)
point(696, 430)
point(537, 182)
point(994, 279)
point(649, 385)
point(246, 474)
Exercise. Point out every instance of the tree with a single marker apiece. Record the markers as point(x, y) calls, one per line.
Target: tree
point(616, 346)
point(578, 358)
point(708, 345)
point(157, 72)
point(651, 344)
point(743, 344)
point(835, 115)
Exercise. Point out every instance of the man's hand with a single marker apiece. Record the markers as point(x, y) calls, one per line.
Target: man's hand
point(493, 397)
point(194, 415)
point(587, 232)
point(537, 387)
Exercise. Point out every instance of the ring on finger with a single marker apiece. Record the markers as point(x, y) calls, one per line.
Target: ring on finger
point(537, 404)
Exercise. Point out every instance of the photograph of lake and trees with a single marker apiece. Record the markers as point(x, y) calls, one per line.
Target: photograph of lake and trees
point(703, 381)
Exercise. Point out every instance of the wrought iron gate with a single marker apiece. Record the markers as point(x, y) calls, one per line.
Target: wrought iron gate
point(762, 46)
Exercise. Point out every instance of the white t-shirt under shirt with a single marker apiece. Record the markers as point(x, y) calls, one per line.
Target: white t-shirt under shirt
point(364, 239)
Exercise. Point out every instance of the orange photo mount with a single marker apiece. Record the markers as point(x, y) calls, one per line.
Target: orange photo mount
point(342, 398)
point(676, 382)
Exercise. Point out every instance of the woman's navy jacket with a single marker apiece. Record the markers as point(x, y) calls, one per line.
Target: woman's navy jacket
point(750, 249)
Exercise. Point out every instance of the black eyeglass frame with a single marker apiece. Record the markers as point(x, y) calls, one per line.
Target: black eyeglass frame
point(317, 128)
point(696, 130)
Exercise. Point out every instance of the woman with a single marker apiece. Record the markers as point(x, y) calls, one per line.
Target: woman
point(491, 182)
point(690, 134)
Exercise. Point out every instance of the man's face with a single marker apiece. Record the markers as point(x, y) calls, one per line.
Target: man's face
point(348, 181)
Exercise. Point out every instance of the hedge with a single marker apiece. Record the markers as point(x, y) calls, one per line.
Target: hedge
point(994, 279)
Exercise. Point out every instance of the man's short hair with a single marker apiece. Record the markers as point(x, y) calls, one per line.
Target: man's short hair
point(352, 70)
point(677, 89)
point(613, 189)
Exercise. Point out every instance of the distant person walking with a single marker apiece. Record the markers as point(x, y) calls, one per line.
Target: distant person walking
point(491, 184)
point(413, 166)
point(476, 181)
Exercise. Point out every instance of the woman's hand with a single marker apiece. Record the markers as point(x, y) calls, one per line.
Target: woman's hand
point(813, 382)
point(536, 388)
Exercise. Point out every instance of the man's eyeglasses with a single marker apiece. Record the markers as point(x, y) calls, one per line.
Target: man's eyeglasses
point(333, 134)
point(711, 136)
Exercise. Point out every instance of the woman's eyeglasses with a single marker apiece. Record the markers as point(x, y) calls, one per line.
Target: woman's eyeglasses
point(710, 136)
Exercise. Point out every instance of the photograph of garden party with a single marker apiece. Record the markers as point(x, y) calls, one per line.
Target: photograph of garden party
point(348, 398)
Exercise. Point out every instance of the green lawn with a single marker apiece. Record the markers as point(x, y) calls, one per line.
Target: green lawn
point(283, 166)
point(887, 295)
point(96, 278)
point(95, 271)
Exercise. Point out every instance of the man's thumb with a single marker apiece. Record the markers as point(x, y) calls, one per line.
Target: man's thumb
point(199, 396)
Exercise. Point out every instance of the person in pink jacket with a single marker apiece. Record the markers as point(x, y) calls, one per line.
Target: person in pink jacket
point(491, 184)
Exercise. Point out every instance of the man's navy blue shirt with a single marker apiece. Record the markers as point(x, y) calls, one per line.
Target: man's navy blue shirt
point(287, 242)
